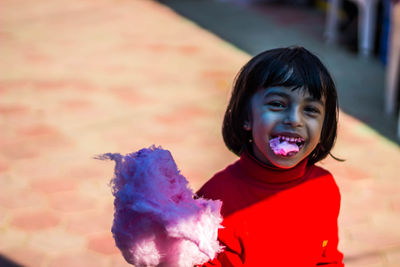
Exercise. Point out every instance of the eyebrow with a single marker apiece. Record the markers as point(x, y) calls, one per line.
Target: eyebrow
point(281, 94)
point(285, 95)
point(319, 101)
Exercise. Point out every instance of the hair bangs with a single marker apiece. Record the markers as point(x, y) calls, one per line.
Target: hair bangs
point(297, 72)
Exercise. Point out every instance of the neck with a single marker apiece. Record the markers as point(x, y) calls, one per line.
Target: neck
point(271, 174)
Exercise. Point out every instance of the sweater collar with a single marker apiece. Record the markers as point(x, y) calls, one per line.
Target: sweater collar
point(265, 173)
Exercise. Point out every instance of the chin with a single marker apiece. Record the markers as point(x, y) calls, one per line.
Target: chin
point(285, 162)
point(284, 165)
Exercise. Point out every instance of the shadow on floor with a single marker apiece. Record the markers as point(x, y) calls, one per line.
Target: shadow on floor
point(5, 262)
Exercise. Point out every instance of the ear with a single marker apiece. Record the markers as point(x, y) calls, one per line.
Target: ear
point(247, 125)
point(247, 118)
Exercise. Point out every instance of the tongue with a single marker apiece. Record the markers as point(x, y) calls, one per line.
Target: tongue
point(282, 148)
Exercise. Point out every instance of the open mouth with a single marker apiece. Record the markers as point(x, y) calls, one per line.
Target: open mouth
point(286, 145)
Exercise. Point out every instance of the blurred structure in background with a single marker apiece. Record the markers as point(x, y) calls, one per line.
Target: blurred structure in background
point(375, 27)
point(355, 21)
point(392, 99)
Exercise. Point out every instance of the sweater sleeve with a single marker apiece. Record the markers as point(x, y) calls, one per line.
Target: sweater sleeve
point(231, 242)
point(231, 255)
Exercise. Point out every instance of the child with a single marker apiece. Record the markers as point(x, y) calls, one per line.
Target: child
point(279, 208)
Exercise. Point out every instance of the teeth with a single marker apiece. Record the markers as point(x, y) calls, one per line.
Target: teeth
point(290, 139)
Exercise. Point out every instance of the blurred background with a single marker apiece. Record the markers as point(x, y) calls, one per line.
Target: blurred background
point(82, 78)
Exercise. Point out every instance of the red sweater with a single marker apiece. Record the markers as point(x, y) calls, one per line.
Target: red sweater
point(275, 217)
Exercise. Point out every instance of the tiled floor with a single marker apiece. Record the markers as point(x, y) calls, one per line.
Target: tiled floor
point(82, 78)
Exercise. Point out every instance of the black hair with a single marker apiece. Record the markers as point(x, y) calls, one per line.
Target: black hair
point(293, 67)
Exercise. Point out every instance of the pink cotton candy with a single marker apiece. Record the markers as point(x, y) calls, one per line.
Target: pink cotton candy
point(157, 222)
point(282, 148)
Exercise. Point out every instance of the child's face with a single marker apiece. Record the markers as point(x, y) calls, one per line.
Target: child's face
point(293, 116)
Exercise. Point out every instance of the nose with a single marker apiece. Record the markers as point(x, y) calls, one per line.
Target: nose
point(294, 117)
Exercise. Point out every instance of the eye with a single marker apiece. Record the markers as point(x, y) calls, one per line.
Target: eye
point(312, 110)
point(276, 105)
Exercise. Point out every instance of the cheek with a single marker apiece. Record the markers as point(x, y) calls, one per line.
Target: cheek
point(265, 117)
point(317, 130)
point(262, 123)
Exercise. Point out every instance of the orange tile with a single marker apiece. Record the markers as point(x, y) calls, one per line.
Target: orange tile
point(103, 243)
point(35, 220)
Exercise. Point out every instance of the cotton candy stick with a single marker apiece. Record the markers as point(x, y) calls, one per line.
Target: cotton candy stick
point(157, 221)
